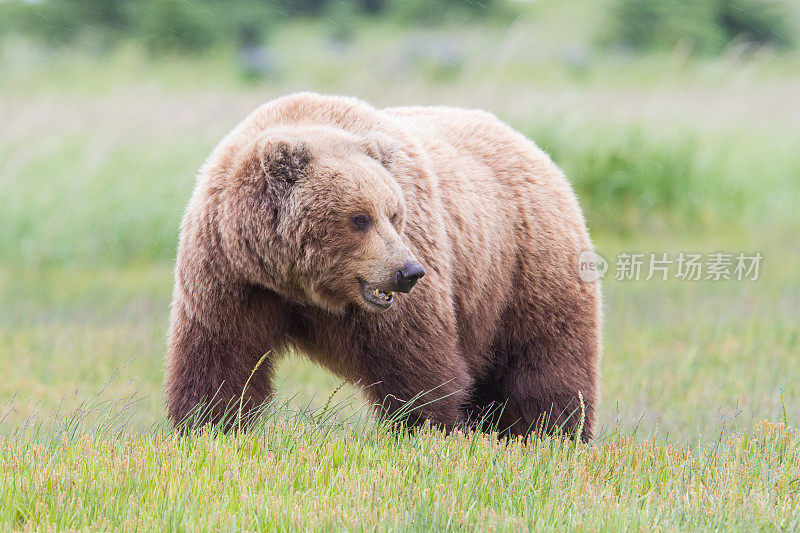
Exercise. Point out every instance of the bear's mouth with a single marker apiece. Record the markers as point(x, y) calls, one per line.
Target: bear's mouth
point(375, 296)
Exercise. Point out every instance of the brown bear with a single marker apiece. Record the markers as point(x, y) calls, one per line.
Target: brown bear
point(313, 219)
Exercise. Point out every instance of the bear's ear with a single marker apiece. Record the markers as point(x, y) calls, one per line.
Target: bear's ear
point(381, 147)
point(285, 158)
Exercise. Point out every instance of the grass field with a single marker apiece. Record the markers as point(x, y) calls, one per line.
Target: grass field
point(97, 157)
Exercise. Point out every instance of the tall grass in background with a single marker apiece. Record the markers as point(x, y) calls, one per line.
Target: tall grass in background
point(99, 149)
point(631, 179)
point(72, 195)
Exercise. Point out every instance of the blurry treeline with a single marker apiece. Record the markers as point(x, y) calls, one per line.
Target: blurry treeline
point(186, 26)
point(708, 26)
point(195, 25)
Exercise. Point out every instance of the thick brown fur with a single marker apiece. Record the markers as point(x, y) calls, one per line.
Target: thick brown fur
point(269, 259)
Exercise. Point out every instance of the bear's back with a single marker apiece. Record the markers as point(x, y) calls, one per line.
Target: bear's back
point(509, 210)
point(495, 183)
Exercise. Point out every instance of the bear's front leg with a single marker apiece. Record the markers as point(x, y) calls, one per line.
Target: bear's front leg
point(220, 375)
point(417, 374)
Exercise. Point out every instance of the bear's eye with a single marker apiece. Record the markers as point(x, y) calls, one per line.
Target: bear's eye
point(361, 222)
point(394, 218)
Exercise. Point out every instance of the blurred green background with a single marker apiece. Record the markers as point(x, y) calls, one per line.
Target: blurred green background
point(676, 121)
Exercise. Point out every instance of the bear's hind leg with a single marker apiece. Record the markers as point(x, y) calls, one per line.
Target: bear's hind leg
point(544, 387)
point(540, 385)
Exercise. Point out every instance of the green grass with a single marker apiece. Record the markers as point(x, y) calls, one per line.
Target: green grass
point(699, 398)
point(297, 472)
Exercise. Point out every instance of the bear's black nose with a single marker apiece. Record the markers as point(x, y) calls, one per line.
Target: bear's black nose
point(408, 276)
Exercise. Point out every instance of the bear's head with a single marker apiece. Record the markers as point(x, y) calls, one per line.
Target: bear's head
point(315, 214)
